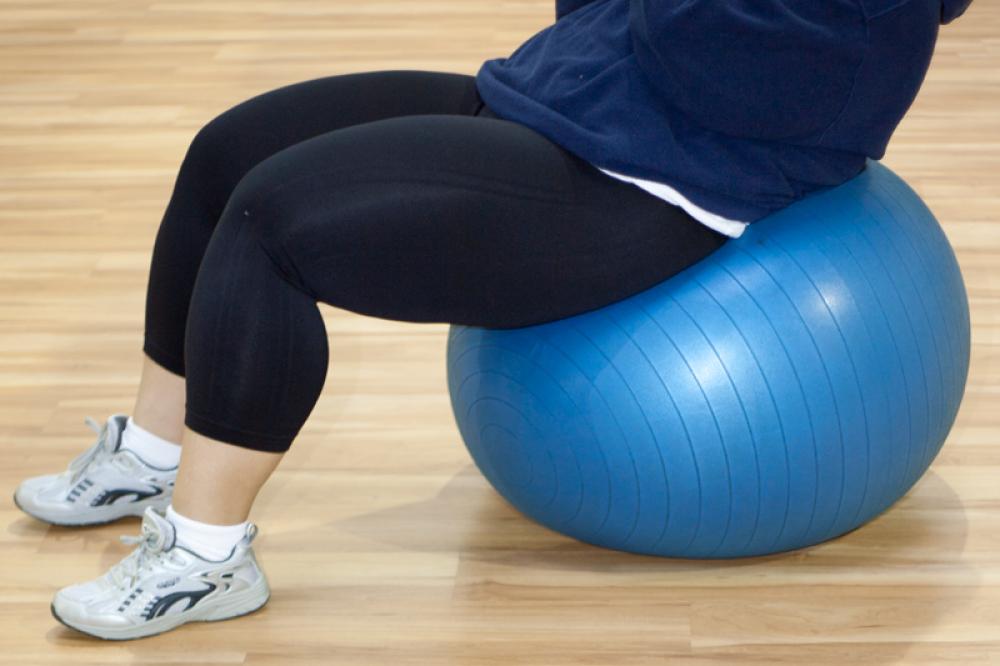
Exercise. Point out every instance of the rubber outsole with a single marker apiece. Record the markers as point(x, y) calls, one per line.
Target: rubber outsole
point(52, 608)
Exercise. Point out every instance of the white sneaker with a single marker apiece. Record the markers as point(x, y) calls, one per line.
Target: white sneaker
point(162, 585)
point(101, 485)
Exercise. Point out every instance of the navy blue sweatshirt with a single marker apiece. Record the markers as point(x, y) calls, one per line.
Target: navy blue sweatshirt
point(743, 106)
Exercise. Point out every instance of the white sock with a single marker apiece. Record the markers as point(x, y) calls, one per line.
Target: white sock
point(213, 542)
point(154, 450)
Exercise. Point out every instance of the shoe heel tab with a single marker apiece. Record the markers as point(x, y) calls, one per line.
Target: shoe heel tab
point(250, 534)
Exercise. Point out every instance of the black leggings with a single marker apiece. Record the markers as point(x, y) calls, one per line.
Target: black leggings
point(395, 194)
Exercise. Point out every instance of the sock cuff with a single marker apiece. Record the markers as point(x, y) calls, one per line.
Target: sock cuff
point(184, 521)
point(139, 430)
point(153, 450)
point(214, 542)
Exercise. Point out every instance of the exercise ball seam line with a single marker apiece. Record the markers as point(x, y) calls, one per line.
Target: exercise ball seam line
point(897, 292)
point(916, 344)
point(507, 430)
point(899, 361)
point(928, 247)
point(850, 356)
point(718, 430)
point(576, 462)
point(628, 448)
point(597, 441)
point(777, 412)
point(829, 383)
point(921, 257)
point(687, 437)
point(687, 433)
point(652, 432)
point(843, 448)
point(493, 371)
point(746, 418)
point(938, 232)
point(798, 380)
point(934, 335)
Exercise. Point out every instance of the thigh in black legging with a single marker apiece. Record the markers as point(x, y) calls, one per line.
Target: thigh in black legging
point(423, 218)
point(233, 142)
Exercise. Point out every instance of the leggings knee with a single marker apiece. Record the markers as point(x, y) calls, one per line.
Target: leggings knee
point(255, 342)
point(221, 152)
point(268, 214)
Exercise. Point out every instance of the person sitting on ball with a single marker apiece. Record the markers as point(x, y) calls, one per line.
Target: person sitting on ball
point(611, 150)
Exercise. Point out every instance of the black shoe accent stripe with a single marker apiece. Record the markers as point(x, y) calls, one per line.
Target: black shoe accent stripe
point(109, 496)
point(162, 605)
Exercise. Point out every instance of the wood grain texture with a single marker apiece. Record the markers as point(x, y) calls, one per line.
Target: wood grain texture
point(382, 542)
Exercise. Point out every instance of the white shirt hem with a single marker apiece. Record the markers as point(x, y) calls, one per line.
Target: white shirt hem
point(724, 225)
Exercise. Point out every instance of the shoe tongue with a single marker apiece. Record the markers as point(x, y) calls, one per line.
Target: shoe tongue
point(115, 430)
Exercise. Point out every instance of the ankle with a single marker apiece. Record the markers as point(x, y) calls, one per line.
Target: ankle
point(154, 450)
point(213, 542)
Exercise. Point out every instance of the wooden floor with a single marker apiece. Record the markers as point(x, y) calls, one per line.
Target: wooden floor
point(382, 543)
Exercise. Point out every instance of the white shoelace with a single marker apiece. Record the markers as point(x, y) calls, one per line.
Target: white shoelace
point(152, 540)
point(101, 450)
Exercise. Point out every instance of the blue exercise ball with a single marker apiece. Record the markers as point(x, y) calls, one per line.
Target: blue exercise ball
point(786, 389)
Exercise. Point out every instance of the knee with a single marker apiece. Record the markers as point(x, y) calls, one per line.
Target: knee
point(257, 205)
point(261, 215)
point(217, 157)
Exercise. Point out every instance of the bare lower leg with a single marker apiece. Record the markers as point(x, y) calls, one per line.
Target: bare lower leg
point(159, 405)
point(217, 482)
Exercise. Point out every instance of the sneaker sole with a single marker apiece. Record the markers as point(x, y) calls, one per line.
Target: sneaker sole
point(233, 608)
